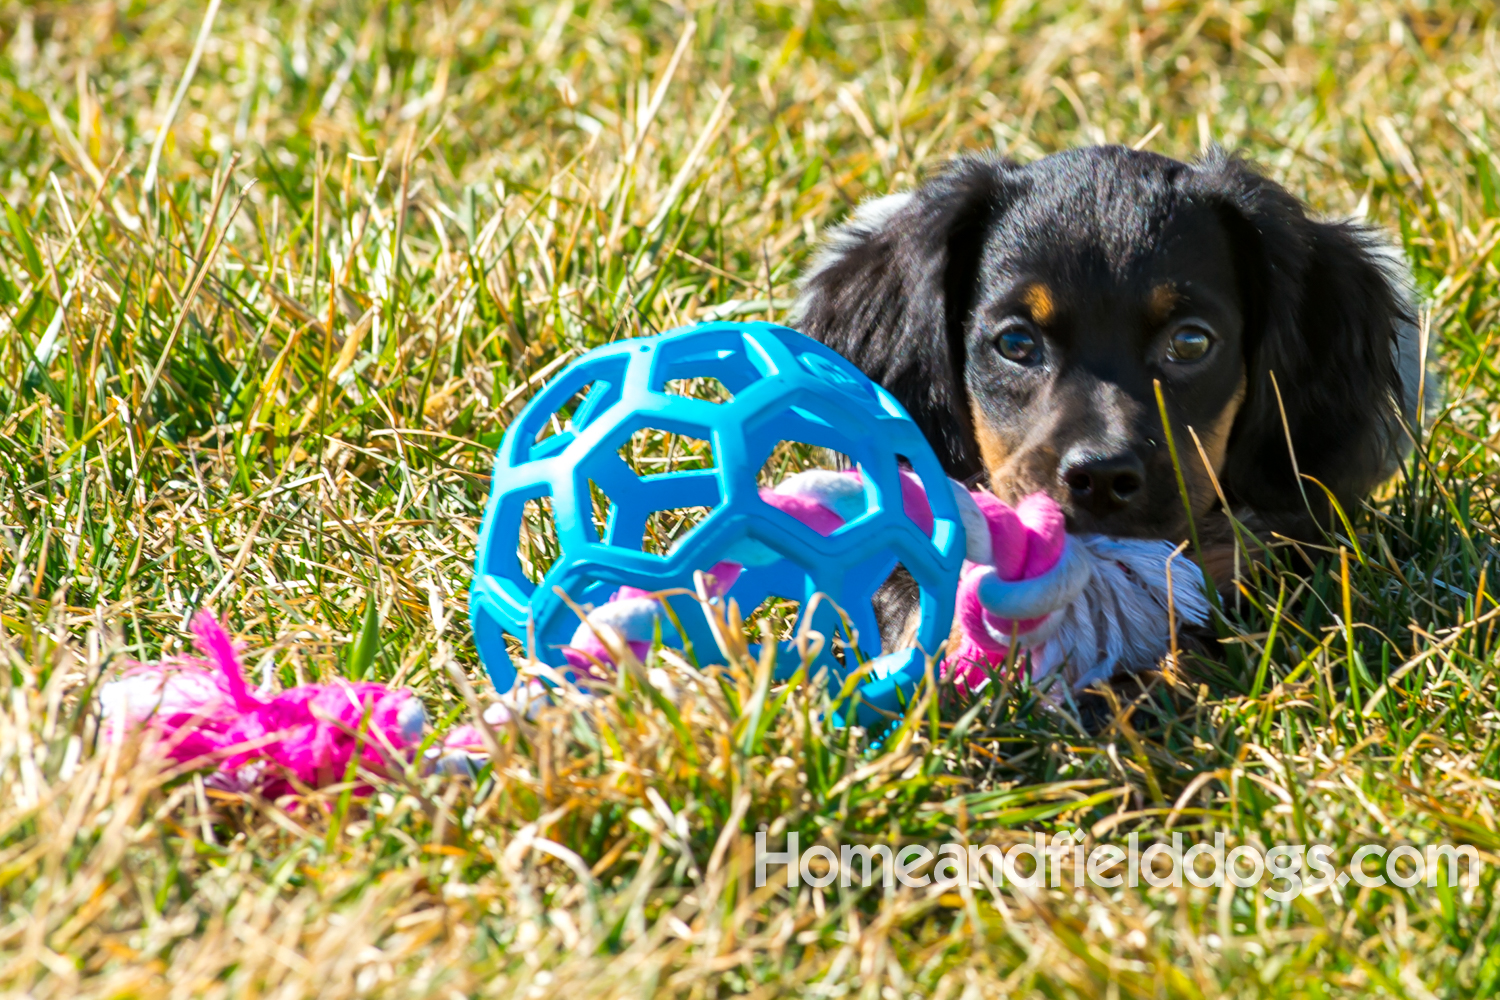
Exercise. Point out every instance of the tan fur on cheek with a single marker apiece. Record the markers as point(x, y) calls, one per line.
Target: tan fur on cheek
point(993, 451)
point(1216, 446)
point(1012, 473)
point(1216, 443)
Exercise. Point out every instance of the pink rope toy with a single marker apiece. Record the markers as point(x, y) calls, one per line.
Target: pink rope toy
point(1080, 606)
point(203, 713)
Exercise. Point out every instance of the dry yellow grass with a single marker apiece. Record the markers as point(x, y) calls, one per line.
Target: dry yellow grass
point(278, 401)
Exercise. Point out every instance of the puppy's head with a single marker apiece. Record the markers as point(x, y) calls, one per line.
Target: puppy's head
point(1039, 320)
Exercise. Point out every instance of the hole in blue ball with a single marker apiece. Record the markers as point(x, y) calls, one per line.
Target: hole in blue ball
point(537, 550)
point(897, 609)
point(564, 423)
point(651, 451)
point(601, 509)
point(788, 458)
point(708, 389)
point(774, 619)
point(665, 529)
point(920, 510)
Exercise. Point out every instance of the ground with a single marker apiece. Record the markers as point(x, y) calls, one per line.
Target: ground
point(273, 278)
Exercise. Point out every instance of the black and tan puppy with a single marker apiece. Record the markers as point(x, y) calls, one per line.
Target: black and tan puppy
point(1024, 315)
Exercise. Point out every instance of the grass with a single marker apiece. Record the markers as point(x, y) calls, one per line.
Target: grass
point(269, 383)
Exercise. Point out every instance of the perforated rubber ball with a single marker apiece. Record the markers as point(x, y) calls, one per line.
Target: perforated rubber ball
point(775, 386)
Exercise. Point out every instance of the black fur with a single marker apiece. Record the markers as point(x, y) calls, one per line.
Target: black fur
point(1325, 316)
point(913, 290)
point(897, 302)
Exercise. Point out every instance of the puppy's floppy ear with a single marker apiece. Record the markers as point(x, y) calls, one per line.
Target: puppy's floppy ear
point(892, 290)
point(1329, 311)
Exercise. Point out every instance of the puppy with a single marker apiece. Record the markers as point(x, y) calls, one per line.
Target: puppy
point(1037, 320)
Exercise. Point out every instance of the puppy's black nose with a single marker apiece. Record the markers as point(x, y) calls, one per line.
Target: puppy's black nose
point(1104, 485)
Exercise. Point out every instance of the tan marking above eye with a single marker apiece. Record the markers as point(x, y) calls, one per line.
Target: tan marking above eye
point(1038, 299)
point(1162, 300)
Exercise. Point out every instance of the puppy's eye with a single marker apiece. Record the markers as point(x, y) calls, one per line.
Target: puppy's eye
point(1018, 344)
point(1189, 343)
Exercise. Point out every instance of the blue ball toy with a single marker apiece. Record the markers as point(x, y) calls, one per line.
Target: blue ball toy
point(785, 387)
